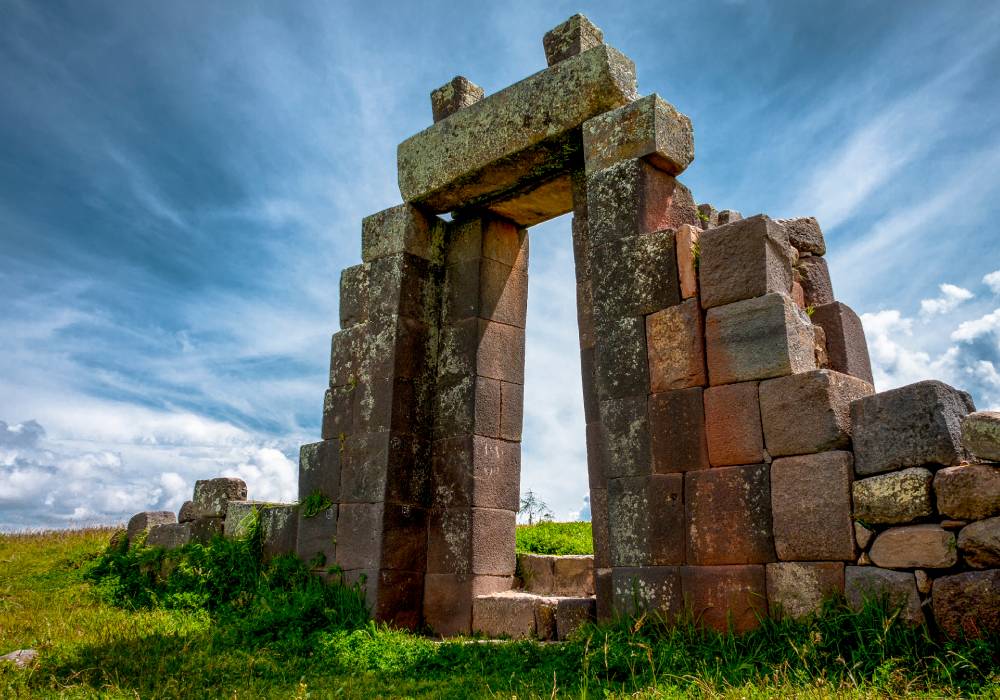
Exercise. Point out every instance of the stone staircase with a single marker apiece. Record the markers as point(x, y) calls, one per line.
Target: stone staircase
point(554, 597)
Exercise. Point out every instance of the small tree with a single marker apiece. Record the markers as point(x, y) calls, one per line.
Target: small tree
point(534, 507)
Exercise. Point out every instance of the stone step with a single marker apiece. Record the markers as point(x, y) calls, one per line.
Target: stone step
point(545, 574)
point(520, 615)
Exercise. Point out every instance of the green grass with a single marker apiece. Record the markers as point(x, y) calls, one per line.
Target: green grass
point(555, 538)
point(107, 629)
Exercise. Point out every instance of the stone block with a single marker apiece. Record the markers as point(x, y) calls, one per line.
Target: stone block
point(484, 348)
point(910, 426)
point(316, 537)
point(571, 38)
point(634, 276)
point(728, 216)
point(572, 614)
point(596, 454)
point(573, 575)
point(687, 238)
point(646, 520)
point(725, 597)
point(404, 538)
point(400, 284)
point(348, 355)
point(545, 618)
point(805, 235)
point(211, 496)
point(924, 582)
point(536, 572)
point(743, 260)
point(485, 236)
point(897, 589)
point(588, 370)
point(814, 276)
point(708, 216)
point(649, 128)
point(809, 412)
point(511, 411)
point(811, 506)
point(354, 295)
point(240, 515)
point(979, 543)
point(470, 405)
point(186, 514)
point(893, 499)
point(448, 600)
point(599, 527)
point(654, 590)
point(204, 530)
point(797, 589)
point(621, 361)
point(140, 523)
point(399, 598)
point(732, 425)
point(585, 314)
point(359, 536)
point(981, 434)
point(508, 614)
point(279, 525)
point(677, 431)
point(605, 594)
point(399, 229)
point(729, 515)
point(457, 93)
point(676, 347)
point(488, 289)
point(365, 466)
point(758, 339)
point(471, 541)
point(319, 470)
point(862, 535)
point(169, 535)
point(846, 347)
point(625, 444)
point(634, 198)
point(968, 492)
point(531, 127)
point(338, 411)
point(968, 604)
point(476, 471)
point(915, 546)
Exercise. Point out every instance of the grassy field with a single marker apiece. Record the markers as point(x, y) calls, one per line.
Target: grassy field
point(105, 629)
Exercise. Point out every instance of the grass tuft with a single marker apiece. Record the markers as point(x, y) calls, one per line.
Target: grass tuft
point(549, 537)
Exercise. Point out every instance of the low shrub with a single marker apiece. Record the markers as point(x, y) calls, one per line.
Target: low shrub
point(549, 537)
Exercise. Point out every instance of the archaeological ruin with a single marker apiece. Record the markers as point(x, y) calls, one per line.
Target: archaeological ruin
point(740, 462)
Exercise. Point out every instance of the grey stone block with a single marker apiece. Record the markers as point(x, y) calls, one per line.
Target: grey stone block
point(797, 589)
point(742, 260)
point(814, 276)
point(805, 235)
point(981, 434)
point(846, 347)
point(212, 496)
point(647, 128)
point(895, 498)
point(915, 546)
point(140, 523)
point(979, 544)
point(897, 588)
point(571, 38)
point(354, 295)
point(169, 535)
point(457, 93)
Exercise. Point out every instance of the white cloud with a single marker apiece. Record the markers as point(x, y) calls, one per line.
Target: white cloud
point(951, 297)
point(992, 280)
point(269, 474)
point(976, 328)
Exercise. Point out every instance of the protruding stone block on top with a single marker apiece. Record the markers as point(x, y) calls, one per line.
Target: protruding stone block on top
point(212, 496)
point(910, 426)
point(809, 412)
point(846, 347)
point(648, 128)
point(457, 93)
point(805, 235)
point(758, 339)
point(742, 260)
point(571, 38)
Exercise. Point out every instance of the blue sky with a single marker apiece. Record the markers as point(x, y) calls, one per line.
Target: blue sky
point(181, 184)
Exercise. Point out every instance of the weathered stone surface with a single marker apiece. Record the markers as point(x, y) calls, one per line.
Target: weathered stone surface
point(169, 535)
point(910, 426)
point(404, 538)
point(625, 443)
point(809, 412)
point(490, 237)
point(186, 514)
point(279, 524)
point(599, 527)
point(811, 504)
point(316, 538)
point(846, 347)
point(456, 94)
point(471, 541)
point(140, 523)
point(915, 546)
point(676, 347)
point(805, 235)
point(319, 470)
point(677, 431)
point(724, 597)
point(893, 499)
point(757, 339)
point(354, 295)
point(814, 276)
point(649, 128)
point(745, 259)
point(862, 535)
point(477, 347)
point(571, 38)
point(687, 238)
point(399, 229)
point(635, 198)
point(359, 535)
point(511, 411)
point(211, 496)
point(897, 588)
point(514, 139)
point(729, 216)
point(708, 216)
point(349, 351)
point(448, 600)
point(240, 516)
point(979, 543)
point(398, 597)
point(646, 520)
point(536, 572)
point(924, 582)
point(732, 425)
point(968, 492)
point(819, 345)
point(633, 277)
point(797, 589)
point(573, 613)
point(605, 594)
point(968, 604)
point(399, 284)
point(506, 614)
point(981, 434)
point(488, 289)
point(203, 530)
point(647, 589)
point(729, 515)
point(21, 658)
point(476, 471)
point(573, 575)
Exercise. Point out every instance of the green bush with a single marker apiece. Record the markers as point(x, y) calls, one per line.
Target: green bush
point(549, 537)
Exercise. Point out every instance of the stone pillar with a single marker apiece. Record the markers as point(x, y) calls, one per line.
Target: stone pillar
point(477, 425)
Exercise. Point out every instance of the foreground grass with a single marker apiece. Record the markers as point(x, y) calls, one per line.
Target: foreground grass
point(277, 637)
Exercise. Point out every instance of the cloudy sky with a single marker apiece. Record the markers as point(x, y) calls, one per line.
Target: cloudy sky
point(182, 182)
